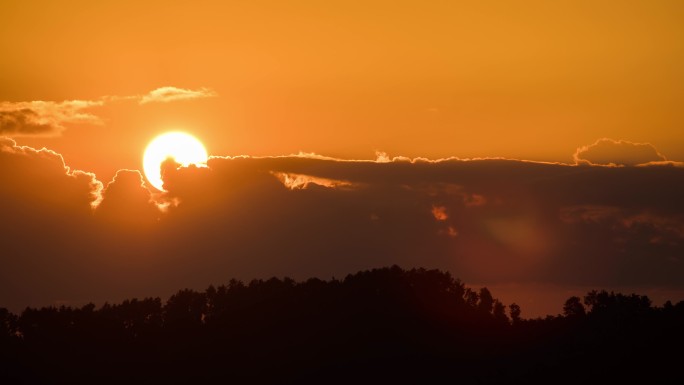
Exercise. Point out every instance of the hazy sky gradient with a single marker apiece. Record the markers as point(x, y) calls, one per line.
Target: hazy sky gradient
point(525, 79)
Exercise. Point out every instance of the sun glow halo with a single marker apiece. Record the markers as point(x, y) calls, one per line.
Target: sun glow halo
point(183, 148)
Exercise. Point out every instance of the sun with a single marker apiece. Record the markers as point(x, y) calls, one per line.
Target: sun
point(183, 148)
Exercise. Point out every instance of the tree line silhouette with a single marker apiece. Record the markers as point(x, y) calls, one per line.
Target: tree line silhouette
point(379, 326)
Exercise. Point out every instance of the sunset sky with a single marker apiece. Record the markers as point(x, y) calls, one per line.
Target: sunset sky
point(355, 122)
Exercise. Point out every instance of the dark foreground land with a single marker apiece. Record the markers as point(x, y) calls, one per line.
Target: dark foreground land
point(382, 326)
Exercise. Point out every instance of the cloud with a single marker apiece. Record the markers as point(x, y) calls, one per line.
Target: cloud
point(41, 118)
point(27, 171)
point(588, 214)
point(513, 220)
point(299, 181)
point(49, 118)
point(629, 222)
point(127, 202)
point(617, 152)
point(439, 212)
point(382, 157)
point(670, 163)
point(171, 94)
point(46, 227)
point(490, 221)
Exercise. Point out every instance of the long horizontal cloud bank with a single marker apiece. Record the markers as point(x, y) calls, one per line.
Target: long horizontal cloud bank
point(487, 221)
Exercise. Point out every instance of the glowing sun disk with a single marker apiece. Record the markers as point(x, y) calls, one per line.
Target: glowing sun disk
point(183, 148)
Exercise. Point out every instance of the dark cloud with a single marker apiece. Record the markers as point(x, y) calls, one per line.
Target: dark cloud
point(493, 222)
point(128, 203)
point(63, 237)
point(617, 152)
point(45, 226)
point(44, 180)
point(508, 220)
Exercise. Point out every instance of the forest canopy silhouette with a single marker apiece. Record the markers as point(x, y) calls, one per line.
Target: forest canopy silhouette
point(378, 325)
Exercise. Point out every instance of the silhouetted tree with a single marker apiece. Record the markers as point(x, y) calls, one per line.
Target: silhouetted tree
point(185, 309)
point(471, 297)
point(141, 317)
point(8, 324)
point(515, 311)
point(499, 311)
point(573, 307)
point(486, 303)
point(617, 306)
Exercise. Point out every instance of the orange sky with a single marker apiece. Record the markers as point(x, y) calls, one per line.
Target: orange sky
point(589, 84)
point(525, 79)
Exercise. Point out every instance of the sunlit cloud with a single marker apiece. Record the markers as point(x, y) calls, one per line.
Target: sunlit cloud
point(42, 176)
point(312, 155)
point(172, 94)
point(670, 163)
point(300, 181)
point(439, 212)
point(474, 200)
point(50, 118)
point(382, 157)
point(610, 152)
point(449, 231)
point(45, 118)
